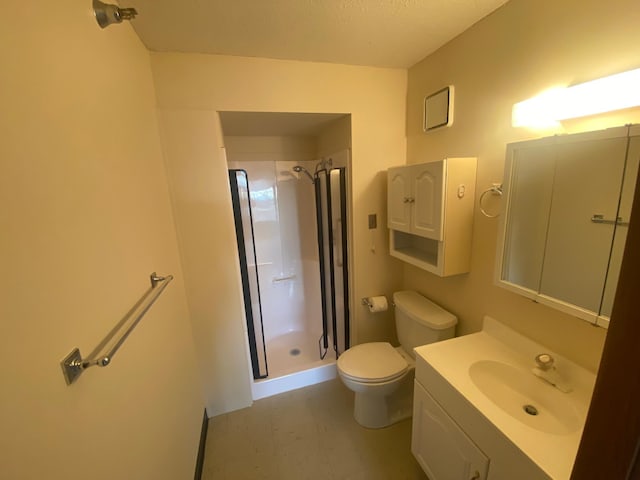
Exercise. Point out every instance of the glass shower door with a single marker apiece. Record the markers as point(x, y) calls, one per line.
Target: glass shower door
point(331, 214)
point(239, 183)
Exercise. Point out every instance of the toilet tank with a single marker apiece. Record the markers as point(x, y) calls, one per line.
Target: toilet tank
point(420, 321)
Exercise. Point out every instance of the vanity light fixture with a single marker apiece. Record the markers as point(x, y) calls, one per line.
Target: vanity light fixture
point(597, 96)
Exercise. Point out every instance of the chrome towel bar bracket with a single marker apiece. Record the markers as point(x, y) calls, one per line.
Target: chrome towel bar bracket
point(73, 364)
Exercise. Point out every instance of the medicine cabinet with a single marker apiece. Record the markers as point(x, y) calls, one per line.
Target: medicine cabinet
point(564, 222)
point(430, 214)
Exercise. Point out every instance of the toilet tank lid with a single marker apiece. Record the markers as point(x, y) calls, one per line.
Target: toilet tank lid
point(423, 310)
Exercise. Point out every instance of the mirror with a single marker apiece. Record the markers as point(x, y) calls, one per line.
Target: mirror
point(567, 201)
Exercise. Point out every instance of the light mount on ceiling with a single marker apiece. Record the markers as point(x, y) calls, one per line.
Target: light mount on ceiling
point(107, 14)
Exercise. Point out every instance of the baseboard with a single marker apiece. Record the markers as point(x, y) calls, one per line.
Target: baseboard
point(203, 441)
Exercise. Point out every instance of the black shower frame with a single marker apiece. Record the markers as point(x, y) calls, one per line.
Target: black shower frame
point(331, 263)
point(244, 274)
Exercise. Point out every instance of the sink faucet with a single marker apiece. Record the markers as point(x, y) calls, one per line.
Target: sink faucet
point(545, 369)
point(545, 362)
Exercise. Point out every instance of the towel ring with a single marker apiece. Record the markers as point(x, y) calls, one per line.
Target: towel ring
point(495, 189)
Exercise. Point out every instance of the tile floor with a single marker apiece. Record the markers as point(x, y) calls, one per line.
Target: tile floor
point(306, 434)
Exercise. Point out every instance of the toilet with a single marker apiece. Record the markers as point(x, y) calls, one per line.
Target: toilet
point(382, 375)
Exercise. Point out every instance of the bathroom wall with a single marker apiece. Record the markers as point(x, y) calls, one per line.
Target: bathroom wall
point(190, 90)
point(515, 53)
point(335, 137)
point(85, 217)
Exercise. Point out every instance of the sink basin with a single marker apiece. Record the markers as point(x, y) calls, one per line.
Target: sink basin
point(525, 397)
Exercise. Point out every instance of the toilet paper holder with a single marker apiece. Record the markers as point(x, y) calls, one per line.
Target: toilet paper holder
point(376, 304)
point(367, 302)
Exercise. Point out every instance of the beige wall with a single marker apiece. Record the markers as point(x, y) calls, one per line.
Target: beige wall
point(520, 50)
point(270, 148)
point(85, 216)
point(335, 137)
point(190, 90)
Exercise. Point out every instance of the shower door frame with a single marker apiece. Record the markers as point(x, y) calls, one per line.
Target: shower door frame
point(324, 189)
point(331, 261)
point(244, 275)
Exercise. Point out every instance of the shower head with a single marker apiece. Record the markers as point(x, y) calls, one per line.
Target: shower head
point(299, 169)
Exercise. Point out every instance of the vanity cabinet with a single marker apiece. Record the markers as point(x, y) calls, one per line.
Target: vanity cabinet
point(441, 448)
point(453, 440)
point(430, 214)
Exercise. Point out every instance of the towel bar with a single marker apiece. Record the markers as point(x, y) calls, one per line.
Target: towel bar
point(73, 364)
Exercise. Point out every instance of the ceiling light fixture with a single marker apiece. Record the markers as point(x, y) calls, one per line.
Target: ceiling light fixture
point(607, 94)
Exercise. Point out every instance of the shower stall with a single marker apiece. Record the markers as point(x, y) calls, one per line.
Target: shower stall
point(291, 228)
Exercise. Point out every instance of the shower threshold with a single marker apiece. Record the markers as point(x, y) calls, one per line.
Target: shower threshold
point(326, 370)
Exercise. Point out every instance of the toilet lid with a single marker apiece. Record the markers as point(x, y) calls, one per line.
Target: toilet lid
point(372, 362)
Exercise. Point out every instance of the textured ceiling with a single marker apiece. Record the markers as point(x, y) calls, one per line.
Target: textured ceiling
point(383, 33)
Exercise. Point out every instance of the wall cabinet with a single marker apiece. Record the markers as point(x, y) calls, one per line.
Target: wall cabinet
point(430, 214)
point(414, 197)
point(442, 449)
point(563, 228)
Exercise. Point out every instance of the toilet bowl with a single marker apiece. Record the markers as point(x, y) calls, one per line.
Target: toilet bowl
point(380, 375)
point(375, 372)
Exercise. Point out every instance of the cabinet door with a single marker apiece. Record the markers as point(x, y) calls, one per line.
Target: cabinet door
point(399, 199)
point(427, 200)
point(442, 449)
point(620, 235)
point(587, 182)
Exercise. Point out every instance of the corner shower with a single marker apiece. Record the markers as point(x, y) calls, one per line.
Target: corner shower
point(291, 230)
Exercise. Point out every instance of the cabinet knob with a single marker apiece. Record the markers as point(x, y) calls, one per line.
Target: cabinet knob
point(408, 200)
point(476, 476)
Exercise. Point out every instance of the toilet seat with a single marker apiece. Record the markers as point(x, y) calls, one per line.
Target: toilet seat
point(374, 362)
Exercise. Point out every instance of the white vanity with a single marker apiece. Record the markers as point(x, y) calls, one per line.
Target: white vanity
point(481, 413)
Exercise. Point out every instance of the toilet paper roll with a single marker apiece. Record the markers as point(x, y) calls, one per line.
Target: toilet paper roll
point(377, 304)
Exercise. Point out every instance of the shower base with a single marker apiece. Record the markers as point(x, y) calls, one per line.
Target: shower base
point(294, 362)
